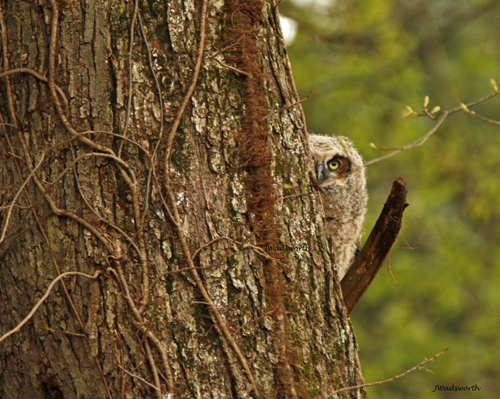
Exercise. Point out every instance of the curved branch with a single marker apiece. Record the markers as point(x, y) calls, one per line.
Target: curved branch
point(369, 261)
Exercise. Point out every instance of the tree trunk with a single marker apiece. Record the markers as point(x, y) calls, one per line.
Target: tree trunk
point(158, 144)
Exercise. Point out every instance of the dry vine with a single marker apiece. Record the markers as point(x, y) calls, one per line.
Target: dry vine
point(174, 212)
point(126, 172)
point(118, 257)
point(137, 242)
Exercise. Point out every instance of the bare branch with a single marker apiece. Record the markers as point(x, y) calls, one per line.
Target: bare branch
point(416, 143)
point(420, 365)
point(440, 117)
point(11, 206)
point(233, 68)
point(474, 115)
point(287, 106)
point(369, 261)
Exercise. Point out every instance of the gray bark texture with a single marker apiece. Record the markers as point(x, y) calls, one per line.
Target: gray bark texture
point(155, 147)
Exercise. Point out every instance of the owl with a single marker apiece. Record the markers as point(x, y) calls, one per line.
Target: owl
point(341, 175)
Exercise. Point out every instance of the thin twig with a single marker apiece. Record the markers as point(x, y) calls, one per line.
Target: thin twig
point(123, 282)
point(233, 68)
point(287, 107)
point(139, 322)
point(224, 49)
point(14, 200)
point(160, 134)
point(139, 378)
point(390, 379)
point(491, 121)
point(440, 117)
point(474, 103)
point(474, 115)
point(121, 136)
point(208, 244)
point(416, 143)
point(97, 215)
point(5, 50)
point(164, 359)
point(65, 332)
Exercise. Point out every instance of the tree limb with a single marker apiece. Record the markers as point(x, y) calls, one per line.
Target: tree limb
point(367, 264)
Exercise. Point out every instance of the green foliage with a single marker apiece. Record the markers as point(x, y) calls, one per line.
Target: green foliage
point(366, 61)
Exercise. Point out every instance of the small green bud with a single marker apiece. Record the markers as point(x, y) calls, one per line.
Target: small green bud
point(494, 84)
point(408, 112)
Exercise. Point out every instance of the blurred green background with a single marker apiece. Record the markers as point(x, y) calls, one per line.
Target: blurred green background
point(366, 60)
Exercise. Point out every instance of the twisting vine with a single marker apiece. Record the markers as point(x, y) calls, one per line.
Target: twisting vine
point(173, 211)
point(128, 175)
point(122, 246)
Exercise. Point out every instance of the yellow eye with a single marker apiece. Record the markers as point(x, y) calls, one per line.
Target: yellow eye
point(334, 164)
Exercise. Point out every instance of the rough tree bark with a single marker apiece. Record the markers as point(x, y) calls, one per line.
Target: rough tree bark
point(158, 144)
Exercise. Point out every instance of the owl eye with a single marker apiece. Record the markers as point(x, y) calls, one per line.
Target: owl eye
point(334, 164)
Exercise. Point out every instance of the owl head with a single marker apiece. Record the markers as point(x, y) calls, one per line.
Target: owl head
point(336, 161)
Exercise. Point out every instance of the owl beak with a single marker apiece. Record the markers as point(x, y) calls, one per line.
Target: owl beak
point(320, 172)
